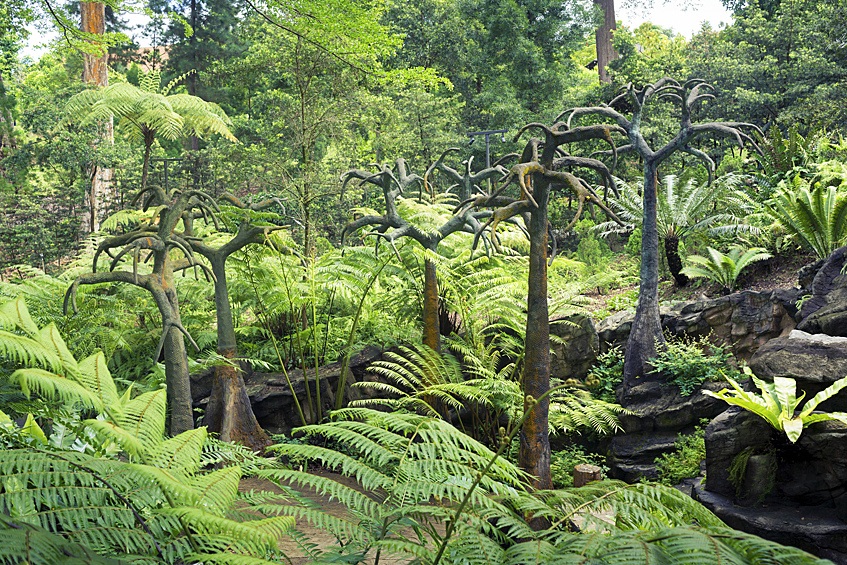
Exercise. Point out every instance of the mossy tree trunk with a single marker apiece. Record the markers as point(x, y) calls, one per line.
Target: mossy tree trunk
point(534, 436)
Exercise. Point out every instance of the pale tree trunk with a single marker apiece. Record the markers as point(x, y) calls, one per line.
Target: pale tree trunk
point(95, 71)
point(603, 39)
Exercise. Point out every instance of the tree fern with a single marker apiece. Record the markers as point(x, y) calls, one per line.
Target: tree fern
point(155, 503)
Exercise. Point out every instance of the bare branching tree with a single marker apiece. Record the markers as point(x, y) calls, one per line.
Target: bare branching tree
point(646, 334)
point(538, 173)
point(391, 226)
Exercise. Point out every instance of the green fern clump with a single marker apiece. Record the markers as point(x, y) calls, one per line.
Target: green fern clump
point(124, 490)
point(688, 363)
point(684, 462)
point(429, 493)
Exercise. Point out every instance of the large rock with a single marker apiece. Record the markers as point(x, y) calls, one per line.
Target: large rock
point(815, 361)
point(813, 529)
point(826, 311)
point(807, 505)
point(574, 356)
point(812, 472)
point(660, 414)
point(744, 320)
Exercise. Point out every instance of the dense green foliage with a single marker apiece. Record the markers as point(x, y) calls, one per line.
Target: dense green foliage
point(315, 88)
point(684, 462)
point(688, 363)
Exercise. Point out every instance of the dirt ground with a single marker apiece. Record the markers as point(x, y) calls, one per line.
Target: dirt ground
point(778, 272)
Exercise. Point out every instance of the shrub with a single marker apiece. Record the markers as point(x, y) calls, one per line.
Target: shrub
point(684, 461)
point(563, 462)
point(605, 377)
point(690, 363)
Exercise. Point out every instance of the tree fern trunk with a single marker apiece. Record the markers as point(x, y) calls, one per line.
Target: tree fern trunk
point(431, 333)
point(674, 261)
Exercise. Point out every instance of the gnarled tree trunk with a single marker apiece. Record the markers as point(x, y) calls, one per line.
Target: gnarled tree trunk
point(534, 436)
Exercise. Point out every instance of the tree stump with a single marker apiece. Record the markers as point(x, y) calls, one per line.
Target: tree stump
point(584, 474)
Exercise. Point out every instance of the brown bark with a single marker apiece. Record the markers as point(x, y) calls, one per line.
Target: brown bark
point(229, 412)
point(95, 71)
point(431, 333)
point(603, 39)
point(534, 437)
point(94, 65)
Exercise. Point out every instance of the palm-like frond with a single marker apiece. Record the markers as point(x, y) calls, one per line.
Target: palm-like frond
point(140, 110)
point(430, 470)
point(687, 207)
point(724, 269)
point(815, 215)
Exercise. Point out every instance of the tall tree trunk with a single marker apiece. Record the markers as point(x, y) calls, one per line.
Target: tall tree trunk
point(431, 333)
point(95, 71)
point(180, 413)
point(603, 39)
point(534, 436)
point(674, 260)
point(646, 333)
point(229, 412)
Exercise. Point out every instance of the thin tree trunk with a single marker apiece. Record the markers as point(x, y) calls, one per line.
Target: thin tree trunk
point(180, 413)
point(646, 332)
point(95, 71)
point(603, 39)
point(431, 333)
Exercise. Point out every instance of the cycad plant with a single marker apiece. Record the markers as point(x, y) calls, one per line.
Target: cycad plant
point(149, 110)
point(724, 269)
point(685, 208)
point(124, 490)
point(814, 214)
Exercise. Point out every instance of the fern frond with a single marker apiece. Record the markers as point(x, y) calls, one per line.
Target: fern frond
point(52, 386)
